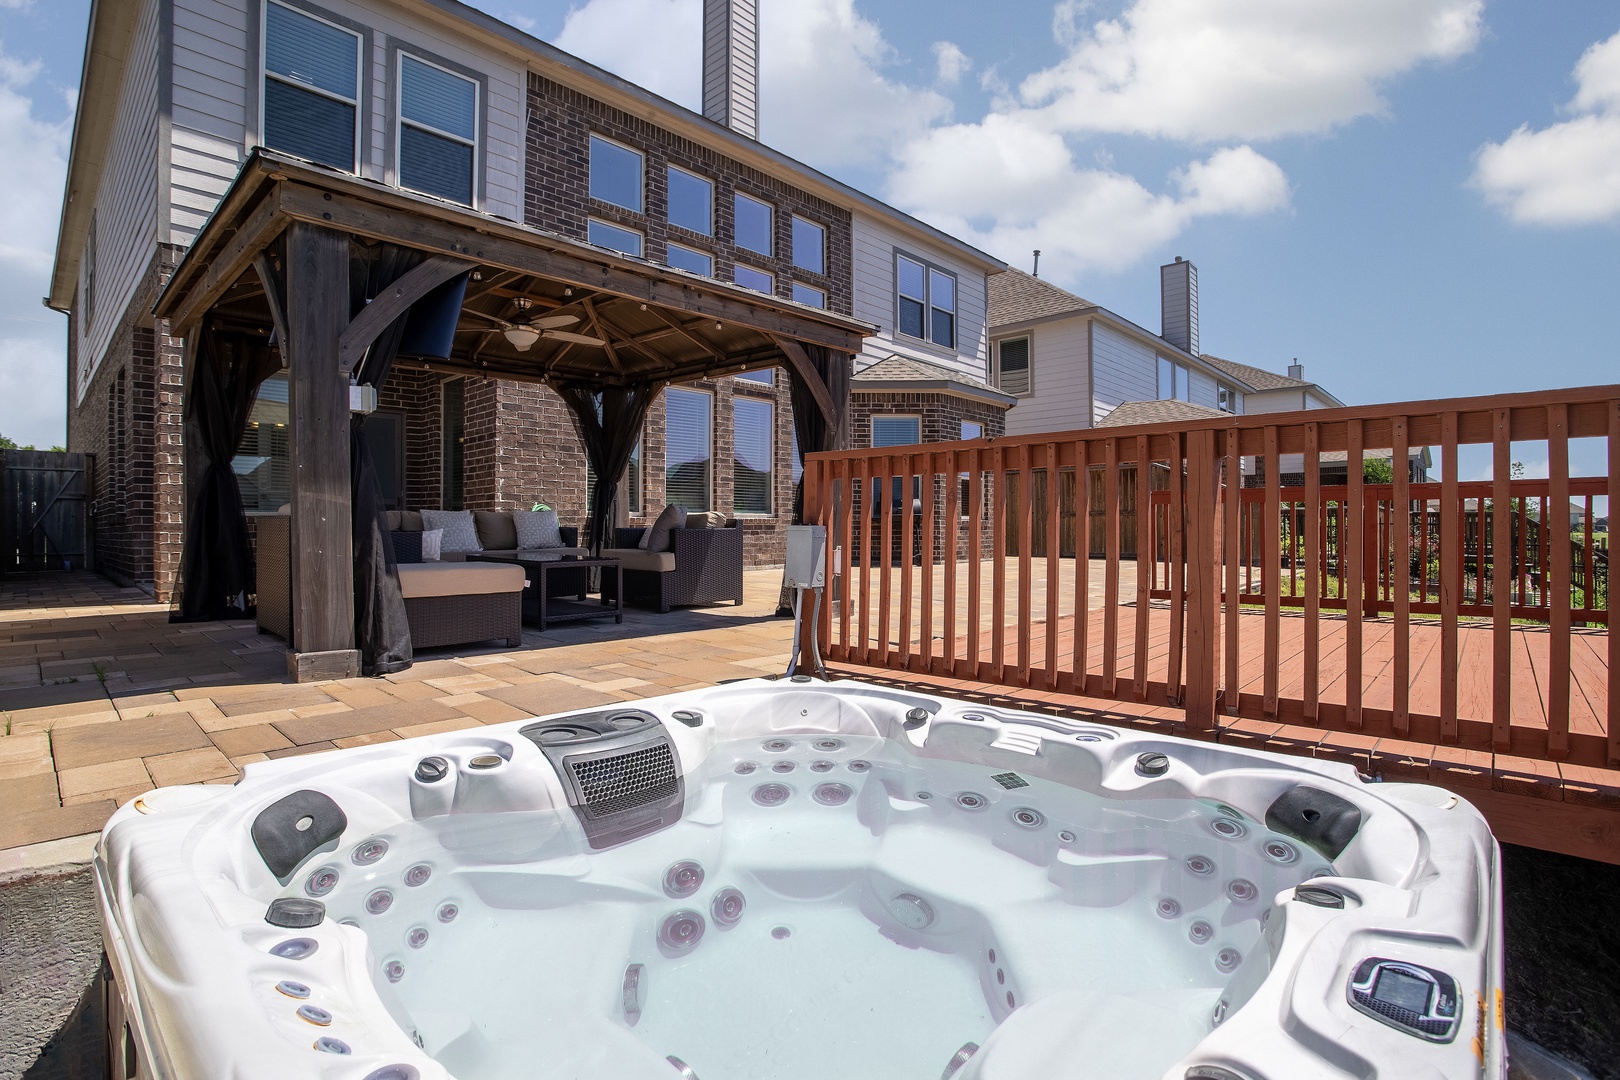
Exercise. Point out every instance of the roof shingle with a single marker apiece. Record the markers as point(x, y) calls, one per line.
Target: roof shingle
point(1017, 297)
point(1156, 412)
point(1259, 378)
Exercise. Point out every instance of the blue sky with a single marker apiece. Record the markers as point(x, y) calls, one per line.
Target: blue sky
point(1346, 176)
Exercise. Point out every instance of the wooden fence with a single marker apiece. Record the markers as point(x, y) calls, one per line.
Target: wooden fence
point(1213, 581)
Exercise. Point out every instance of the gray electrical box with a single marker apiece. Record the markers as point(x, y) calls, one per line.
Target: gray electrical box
point(806, 556)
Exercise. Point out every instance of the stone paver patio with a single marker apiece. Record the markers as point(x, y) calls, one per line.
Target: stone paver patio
point(102, 698)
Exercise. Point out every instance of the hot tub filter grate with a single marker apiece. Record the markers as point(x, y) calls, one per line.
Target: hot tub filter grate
point(626, 782)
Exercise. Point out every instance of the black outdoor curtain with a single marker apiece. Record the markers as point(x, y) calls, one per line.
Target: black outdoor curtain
point(809, 423)
point(609, 420)
point(381, 633)
point(216, 563)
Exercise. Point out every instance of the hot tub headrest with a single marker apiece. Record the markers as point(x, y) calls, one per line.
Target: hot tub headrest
point(289, 829)
point(1312, 816)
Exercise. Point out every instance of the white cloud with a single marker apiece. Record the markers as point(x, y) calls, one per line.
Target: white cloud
point(657, 44)
point(950, 62)
point(32, 363)
point(1569, 173)
point(1209, 70)
point(1025, 191)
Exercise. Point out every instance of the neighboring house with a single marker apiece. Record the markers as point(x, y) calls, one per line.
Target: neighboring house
point(437, 98)
point(1069, 362)
point(1270, 392)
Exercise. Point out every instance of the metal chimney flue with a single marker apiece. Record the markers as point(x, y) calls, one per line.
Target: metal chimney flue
point(1296, 370)
point(1178, 304)
point(731, 64)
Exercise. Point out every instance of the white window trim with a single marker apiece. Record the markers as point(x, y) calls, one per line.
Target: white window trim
point(684, 247)
point(871, 435)
point(622, 228)
point(928, 302)
point(400, 122)
point(995, 364)
point(763, 292)
point(641, 177)
point(708, 480)
point(794, 258)
point(770, 455)
point(359, 71)
point(685, 228)
point(770, 233)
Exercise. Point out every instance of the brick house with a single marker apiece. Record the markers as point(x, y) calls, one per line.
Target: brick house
point(438, 99)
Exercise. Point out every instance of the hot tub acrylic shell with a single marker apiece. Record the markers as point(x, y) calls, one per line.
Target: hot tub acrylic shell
point(1066, 926)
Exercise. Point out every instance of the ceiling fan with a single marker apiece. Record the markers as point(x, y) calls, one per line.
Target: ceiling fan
point(525, 333)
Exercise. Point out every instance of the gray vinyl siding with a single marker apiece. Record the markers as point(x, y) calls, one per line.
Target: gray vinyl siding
point(1060, 381)
point(875, 244)
point(216, 102)
point(1202, 389)
point(126, 210)
point(1124, 370)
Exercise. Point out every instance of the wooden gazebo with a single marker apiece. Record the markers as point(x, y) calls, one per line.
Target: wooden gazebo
point(276, 263)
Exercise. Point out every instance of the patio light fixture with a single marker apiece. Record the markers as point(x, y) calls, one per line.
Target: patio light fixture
point(522, 337)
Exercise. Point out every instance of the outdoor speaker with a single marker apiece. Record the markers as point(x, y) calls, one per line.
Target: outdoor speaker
point(431, 325)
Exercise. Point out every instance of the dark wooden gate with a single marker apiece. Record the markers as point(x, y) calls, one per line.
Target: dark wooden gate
point(42, 521)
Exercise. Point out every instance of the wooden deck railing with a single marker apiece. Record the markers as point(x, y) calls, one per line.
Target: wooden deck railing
point(975, 577)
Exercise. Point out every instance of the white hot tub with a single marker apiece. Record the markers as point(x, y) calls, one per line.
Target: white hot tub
point(803, 880)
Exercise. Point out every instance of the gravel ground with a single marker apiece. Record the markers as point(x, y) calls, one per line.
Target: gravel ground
point(1562, 918)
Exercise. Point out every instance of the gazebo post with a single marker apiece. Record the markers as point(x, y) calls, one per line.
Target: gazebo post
point(318, 398)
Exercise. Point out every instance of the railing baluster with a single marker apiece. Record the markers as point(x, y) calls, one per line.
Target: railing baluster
point(952, 530)
point(1270, 575)
point(998, 566)
point(1613, 624)
point(1203, 596)
point(1178, 571)
point(846, 592)
point(975, 556)
point(1082, 562)
point(908, 523)
point(1111, 583)
point(1054, 562)
point(886, 496)
point(1026, 555)
point(1144, 555)
point(1400, 575)
point(867, 518)
point(1351, 569)
point(1501, 546)
point(1586, 556)
point(1557, 526)
point(1315, 536)
point(1450, 575)
point(1234, 550)
point(930, 525)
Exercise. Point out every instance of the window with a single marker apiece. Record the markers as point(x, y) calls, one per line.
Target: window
point(753, 223)
point(691, 202)
point(804, 294)
point(754, 427)
point(263, 458)
point(925, 302)
point(749, 278)
point(1226, 399)
point(896, 431)
point(1012, 366)
point(972, 430)
point(766, 376)
point(438, 130)
point(614, 238)
point(685, 258)
point(87, 306)
point(796, 467)
point(1173, 384)
point(455, 432)
point(632, 480)
point(809, 246)
point(311, 87)
point(615, 174)
point(687, 427)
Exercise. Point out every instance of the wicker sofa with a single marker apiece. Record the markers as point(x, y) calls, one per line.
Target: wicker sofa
point(703, 566)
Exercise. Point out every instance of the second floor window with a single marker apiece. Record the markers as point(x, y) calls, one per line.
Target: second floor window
point(809, 245)
point(311, 87)
point(1173, 382)
point(749, 278)
point(690, 259)
point(752, 219)
point(438, 130)
point(606, 234)
point(615, 174)
point(691, 202)
point(1226, 399)
point(925, 302)
point(804, 294)
point(1012, 367)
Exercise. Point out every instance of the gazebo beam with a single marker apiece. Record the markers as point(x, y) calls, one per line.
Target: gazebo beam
point(317, 262)
point(395, 301)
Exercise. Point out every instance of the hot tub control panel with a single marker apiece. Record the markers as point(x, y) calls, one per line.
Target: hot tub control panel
point(1415, 999)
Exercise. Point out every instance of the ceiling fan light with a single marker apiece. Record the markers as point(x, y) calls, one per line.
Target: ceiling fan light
point(522, 337)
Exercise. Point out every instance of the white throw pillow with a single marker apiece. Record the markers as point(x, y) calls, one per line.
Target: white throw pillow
point(536, 529)
point(460, 534)
point(432, 539)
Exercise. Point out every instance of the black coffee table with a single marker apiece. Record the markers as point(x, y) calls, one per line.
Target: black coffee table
point(543, 597)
